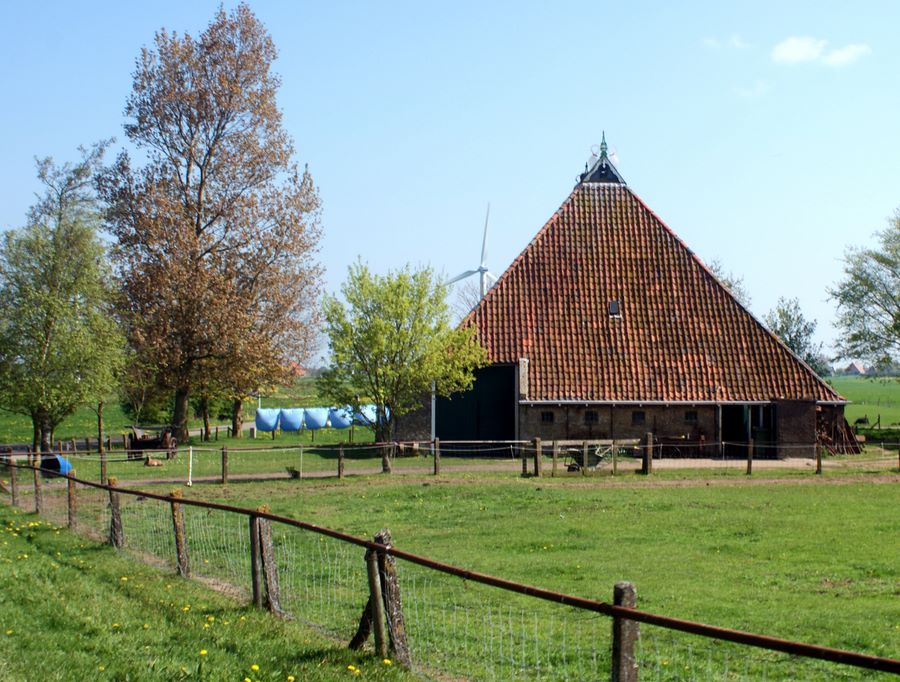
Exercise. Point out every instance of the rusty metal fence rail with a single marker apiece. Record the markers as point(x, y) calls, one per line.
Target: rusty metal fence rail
point(435, 618)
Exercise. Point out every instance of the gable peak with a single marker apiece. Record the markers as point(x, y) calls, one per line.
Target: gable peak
point(600, 169)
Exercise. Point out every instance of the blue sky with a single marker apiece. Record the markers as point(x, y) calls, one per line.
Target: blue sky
point(765, 134)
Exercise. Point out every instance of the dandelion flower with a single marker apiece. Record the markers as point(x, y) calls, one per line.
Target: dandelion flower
point(101, 668)
point(9, 632)
point(254, 668)
point(203, 652)
point(387, 661)
point(290, 678)
point(146, 626)
point(351, 668)
point(124, 578)
point(115, 625)
point(211, 618)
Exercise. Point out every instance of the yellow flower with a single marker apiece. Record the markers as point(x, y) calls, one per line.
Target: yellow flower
point(254, 668)
point(124, 578)
point(203, 652)
point(351, 668)
point(146, 626)
point(101, 668)
point(211, 618)
point(247, 679)
point(290, 678)
point(115, 625)
point(387, 661)
point(9, 632)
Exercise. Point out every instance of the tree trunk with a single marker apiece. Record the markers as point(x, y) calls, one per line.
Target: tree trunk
point(100, 427)
point(237, 419)
point(46, 435)
point(204, 413)
point(181, 415)
point(35, 436)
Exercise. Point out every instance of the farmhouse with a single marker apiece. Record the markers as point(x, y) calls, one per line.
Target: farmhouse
point(607, 326)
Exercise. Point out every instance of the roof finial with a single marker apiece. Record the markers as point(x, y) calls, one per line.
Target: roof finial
point(603, 146)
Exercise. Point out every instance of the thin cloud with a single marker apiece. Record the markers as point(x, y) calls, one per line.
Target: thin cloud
point(758, 89)
point(802, 49)
point(734, 41)
point(847, 55)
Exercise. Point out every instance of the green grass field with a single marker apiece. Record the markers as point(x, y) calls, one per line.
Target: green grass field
point(812, 562)
point(871, 398)
point(74, 610)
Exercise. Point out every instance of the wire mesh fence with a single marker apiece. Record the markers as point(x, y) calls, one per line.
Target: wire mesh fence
point(455, 624)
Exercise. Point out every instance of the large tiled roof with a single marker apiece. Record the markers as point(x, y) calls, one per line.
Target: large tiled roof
point(681, 335)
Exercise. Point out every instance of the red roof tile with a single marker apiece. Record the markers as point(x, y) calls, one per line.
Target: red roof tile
point(681, 335)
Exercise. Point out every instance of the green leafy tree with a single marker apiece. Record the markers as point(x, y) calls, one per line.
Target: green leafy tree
point(60, 346)
point(391, 340)
point(787, 322)
point(734, 283)
point(868, 300)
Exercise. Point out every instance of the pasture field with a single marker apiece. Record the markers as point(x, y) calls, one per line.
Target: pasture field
point(74, 610)
point(813, 560)
point(871, 398)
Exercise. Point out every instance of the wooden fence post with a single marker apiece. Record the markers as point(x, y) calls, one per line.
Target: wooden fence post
point(108, 445)
point(340, 460)
point(615, 452)
point(584, 458)
point(14, 481)
point(555, 458)
point(72, 500)
point(625, 633)
point(524, 463)
point(116, 532)
point(224, 461)
point(647, 464)
point(38, 492)
point(392, 605)
point(750, 458)
point(538, 454)
point(181, 549)
point(217, 432)
point(818, 459)
point(437, 456)
point(376, 603)
point(269, 564)
point(103, 473)
point(254, 561)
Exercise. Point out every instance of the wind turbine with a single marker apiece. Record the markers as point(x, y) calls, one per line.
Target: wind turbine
point(482, 269)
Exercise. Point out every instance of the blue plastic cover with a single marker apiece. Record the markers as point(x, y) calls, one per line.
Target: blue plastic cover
point(365, 415)
point(315, 417)
point(267, 418)
point(340, 417)
point(292, 418)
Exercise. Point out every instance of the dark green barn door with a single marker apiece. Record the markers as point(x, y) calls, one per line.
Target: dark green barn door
point(487, 412)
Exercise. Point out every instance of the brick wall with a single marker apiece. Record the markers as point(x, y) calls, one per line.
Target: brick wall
point(577, 422)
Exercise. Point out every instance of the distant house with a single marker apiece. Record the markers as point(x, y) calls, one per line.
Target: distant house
point(607, 326)
point(855, 368)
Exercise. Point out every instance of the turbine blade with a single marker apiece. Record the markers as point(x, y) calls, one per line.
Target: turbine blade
point(484, 241)
point(467, 273)
point(490, 275)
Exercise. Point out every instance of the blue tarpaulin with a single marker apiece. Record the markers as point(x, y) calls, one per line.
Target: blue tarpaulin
point(267, 419)
point(340, 417)
point(56, 464)
point(365, 415)
point(315, 417)
point(292, 418)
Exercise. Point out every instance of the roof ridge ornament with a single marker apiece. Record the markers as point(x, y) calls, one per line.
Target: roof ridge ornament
point(599, 169)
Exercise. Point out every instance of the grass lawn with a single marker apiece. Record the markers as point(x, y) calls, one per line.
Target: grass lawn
point(812, 562)
point(871, 398)
point(74, 610)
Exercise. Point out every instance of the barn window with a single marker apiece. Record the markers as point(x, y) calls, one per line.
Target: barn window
point(638, 417)
point(546, 417)
point(615, 310)
point(590, 417)
point(691, 416)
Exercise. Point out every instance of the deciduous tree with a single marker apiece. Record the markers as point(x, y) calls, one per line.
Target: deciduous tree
point(868, 299)
point(217, 232)
point(60, 346)
point(734, 283)
point(390, 340)
point(787, 322)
